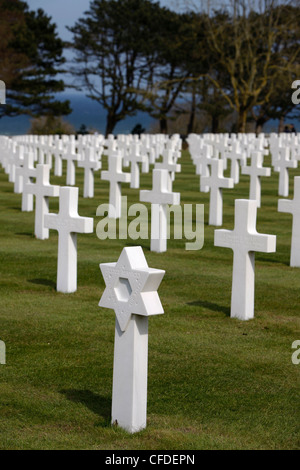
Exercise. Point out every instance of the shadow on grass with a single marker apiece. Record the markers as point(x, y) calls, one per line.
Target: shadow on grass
point(211, 306)
point(26, 234)
point(272, 260)
point(98, 404)
point(43, 282)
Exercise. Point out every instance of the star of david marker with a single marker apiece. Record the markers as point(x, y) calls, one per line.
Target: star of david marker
point(131, 291)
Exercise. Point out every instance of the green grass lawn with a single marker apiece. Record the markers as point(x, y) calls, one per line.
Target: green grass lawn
point(213, 382)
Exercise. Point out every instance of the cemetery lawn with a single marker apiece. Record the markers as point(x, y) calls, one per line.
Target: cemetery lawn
point(213, 382)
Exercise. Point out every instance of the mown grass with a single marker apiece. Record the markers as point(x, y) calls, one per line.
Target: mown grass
point(213, 382)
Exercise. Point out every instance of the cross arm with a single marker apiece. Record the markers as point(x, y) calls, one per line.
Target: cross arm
point(285, 205)
point(159, 198)
point(224, 238)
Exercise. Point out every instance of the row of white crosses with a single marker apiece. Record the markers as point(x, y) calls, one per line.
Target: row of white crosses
point(215, 182)
point(85, 153)
point(131, 286)
point(67, 222)
point(116, 176)
point(42, 190)
point(245, 241)
point(131, 290)
point(206, 149)
point(162, 187)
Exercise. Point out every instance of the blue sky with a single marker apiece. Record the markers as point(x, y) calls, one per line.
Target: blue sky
point(66, 12)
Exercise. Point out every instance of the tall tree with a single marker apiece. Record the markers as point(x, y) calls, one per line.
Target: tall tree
point(31, 57)
point(245, 40)
point(173, 54)
point(277, 102)
point(113, 54)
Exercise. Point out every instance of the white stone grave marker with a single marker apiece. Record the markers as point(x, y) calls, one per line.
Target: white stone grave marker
point(170, 165)
point(131, 291)
point(18, 162)
point(90, 165)
point(58, 152)
point(68, 223)
point(256, 171)
point(244, 241)
point(26, 173)
point(293, 207)
point(236, 157)
point(216, 182)
point(115, 176)
point(135, 158)
point(71, 157)
point(282, 166)
point(159, 197)
point(42, 189)
point(202, 165)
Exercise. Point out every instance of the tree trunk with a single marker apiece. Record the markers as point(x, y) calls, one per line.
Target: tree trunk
point(259, 124)
point(281, 124)
point(215, 124)
point(242, 119)
point(191, 123)
point(111, 123)
point(163, 126)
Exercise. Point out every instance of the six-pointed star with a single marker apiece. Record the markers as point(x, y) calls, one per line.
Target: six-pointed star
point(131, 286)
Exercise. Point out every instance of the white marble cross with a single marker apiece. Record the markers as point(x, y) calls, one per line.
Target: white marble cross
point(42, 189)
point(58, 152)
point(10, 162)
point(195, 143)
point(275, 145)
point(293, 207)
point(221, 148)
point(282, 166)
point(202, 165)
point(256, 171)
point(170, 165)
point(216, 182)
point(18, 162)
point(44, 149)
point(159, 197)
point(135, 158)
point(244, 241)
point(131, 291)
point(68, 223)
point(71, 156)
point(236, 157)
point(90, 165)
point(26, 173)
point(115, 176)
point(110, 145)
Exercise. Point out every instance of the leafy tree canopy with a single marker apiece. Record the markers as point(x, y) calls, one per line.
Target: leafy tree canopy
point(31, 54)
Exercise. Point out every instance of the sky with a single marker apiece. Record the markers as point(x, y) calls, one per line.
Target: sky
point(66, 12)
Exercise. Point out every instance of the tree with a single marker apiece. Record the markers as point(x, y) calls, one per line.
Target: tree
point(277, 104)
point(172, 47)
point(245, 41)
point(31, 55)
point(50, 125)
point(138, 129)
point(113, 47)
